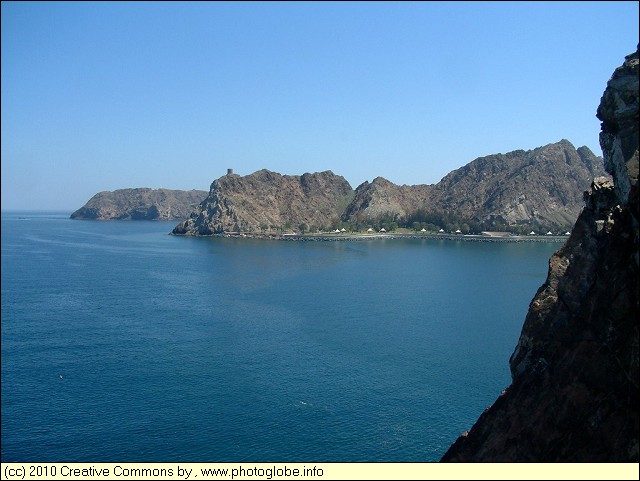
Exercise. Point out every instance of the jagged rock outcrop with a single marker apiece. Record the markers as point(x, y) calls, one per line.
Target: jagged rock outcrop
point(618, 111)
point(382, 197)
point(539, 187)
point(542, 186)
point(574, 395)
point(268, 202)
point(536, 189)
point(140, 204)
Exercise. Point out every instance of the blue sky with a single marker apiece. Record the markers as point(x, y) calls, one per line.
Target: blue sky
point(101, 96)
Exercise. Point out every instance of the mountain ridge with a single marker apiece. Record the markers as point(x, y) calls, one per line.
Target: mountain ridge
point(536, 189)
point(520, 191)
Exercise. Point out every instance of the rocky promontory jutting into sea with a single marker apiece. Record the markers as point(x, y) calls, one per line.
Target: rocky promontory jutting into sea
point(539, 190)
point(521, 192)
point(140, 204)
point(574, 394)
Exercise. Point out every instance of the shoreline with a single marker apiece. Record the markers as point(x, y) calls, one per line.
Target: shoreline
point(328, 237)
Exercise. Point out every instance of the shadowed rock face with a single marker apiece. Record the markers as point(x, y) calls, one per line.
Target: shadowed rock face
point(574, 395)
point(140, 204)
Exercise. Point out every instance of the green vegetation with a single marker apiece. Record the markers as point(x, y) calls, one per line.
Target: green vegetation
point(439, 221)
point(433, 222)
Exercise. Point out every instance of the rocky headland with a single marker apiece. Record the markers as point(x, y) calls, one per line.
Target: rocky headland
point(266, 202)
point(140, 204)
point(574, 395)
point(537, 190)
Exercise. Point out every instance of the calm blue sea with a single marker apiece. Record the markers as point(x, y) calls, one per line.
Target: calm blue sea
point(121, 343)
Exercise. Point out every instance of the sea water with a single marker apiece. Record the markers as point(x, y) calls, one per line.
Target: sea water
point(121, 343)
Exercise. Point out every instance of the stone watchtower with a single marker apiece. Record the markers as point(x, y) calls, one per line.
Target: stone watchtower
point(229, 171)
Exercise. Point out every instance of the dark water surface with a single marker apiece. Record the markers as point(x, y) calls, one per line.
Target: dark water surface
point(121, 343)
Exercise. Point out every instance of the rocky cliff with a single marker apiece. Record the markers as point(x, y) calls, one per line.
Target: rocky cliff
point(269, 202)
point(574, 395)
point(540, 188)
point(140, 204)
point(536, 189)
point(381, 197)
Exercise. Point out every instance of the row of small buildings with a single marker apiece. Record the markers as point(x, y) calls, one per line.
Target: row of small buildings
point(458, 231)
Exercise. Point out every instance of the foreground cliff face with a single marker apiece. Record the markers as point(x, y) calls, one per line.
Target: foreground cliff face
point(574, 395)
point(140, 204)
point(268, 202)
